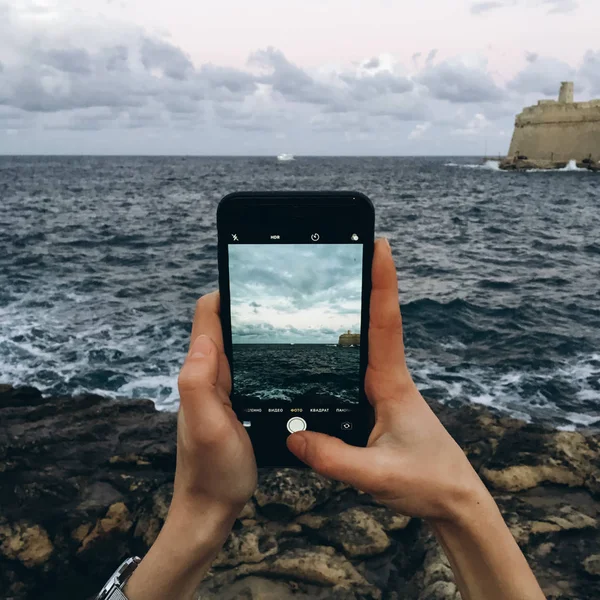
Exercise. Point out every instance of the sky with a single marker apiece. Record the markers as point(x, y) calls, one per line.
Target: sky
point(313, 77)
point(294, 293)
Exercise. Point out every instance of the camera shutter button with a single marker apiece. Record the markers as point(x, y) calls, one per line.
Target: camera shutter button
point(296, 424)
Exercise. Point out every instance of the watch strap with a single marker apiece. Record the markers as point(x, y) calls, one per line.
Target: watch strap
point(113, 590)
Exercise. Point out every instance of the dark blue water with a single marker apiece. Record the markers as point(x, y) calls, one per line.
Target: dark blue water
point(298, 374)
point(101, 260)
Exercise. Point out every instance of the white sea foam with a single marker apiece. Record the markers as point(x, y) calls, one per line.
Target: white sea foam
point(276, 394)
point(162, 388)
point(492, 165)
point(517, 393)
point(489, 165)
point(572, 166)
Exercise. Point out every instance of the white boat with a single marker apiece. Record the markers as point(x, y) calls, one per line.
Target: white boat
point(285, 157)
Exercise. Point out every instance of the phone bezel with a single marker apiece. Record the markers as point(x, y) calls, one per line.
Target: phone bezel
point(248, 208)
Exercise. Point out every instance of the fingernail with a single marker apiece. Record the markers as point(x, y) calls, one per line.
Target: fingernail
point(201, 347)
point(387, 243)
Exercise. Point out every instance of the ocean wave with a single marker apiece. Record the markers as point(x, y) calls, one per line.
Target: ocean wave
point(488, 165)
point(521, 393)
point(498, 274)
point(570, 167)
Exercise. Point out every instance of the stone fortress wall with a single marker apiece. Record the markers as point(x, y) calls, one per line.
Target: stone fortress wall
point(558, 131)
point(349, 339)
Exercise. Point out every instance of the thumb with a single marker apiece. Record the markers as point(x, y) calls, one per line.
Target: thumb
point(331, 457)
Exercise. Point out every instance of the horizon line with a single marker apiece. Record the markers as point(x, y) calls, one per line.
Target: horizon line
point(3, 155)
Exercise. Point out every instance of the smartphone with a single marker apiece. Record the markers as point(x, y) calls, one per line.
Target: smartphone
point(295, 283)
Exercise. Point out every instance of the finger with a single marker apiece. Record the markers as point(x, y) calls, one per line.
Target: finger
point(208, 322)
point(203, 408)
point(386, 347)
point(331, 457)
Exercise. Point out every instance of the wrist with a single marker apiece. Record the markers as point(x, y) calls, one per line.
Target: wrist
point(467, 498)
point(191, 537)
point(202, 524)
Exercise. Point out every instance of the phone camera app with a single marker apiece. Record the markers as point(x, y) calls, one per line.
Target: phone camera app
point(295, 323)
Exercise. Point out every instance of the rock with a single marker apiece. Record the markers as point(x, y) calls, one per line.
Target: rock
point(591, 565)
point(437, 578)
point(319, 565)
point(525, 477)
point(390, 520)
point(86, 481)
point(117, 520)
point(261, 588)
point(284, 492)
point(312, 521)
point(441, 590)
point(249, 511)
point(98, 495)
point(26, 543)
point(254, 588)
point(151, 521)
point(305, 569)
point(250, 545)
point(569, 518)
point(531, 456)
point(357, 532)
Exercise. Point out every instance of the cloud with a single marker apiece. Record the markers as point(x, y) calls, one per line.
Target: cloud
point(561, 6)
point(459, 81)
point(373, 91)
point(367, 88)
point(294, 292)
point(431, 57)
point(483, 7)
point(372, 63)
point(165, 58)
point(419, 131)
point(542, 75)
point(477, 125)
point(68, 60)
point(551, 6)
point(292, 82)
point(86, 73)
point(228, 83)
point(531, 56)
point(590, 71)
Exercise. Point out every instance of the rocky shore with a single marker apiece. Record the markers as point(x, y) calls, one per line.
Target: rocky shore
point(526, 164)
point(86, 481)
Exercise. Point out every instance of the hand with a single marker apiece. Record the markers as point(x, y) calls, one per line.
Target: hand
point(215, 460)
point(215, 474)
point(411, 462)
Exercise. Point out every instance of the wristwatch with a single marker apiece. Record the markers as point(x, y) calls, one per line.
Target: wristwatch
point(113, 590)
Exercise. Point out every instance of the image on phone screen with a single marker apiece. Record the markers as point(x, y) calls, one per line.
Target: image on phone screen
point(295, 324)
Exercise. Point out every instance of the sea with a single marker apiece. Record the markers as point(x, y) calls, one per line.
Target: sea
point(296, 374)
point(103, 258)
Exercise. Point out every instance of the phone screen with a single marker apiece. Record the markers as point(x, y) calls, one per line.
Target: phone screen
point(296, 333)
point(295, 325)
